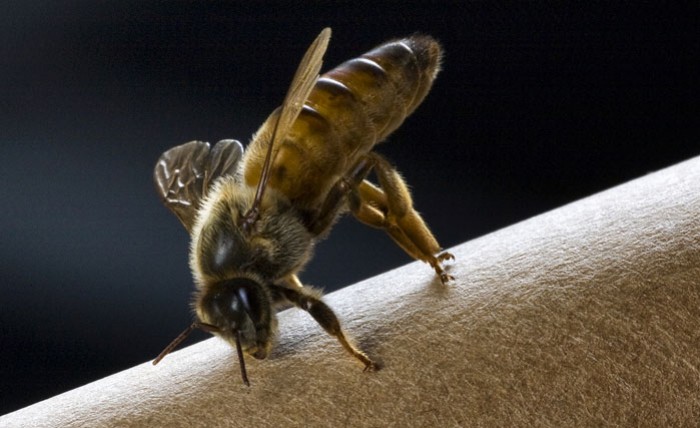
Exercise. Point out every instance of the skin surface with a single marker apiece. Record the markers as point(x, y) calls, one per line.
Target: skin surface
point(583, 316)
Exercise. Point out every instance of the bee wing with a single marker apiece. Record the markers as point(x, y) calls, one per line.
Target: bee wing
point(301, 86)
point(299, 90)
point(184, 174)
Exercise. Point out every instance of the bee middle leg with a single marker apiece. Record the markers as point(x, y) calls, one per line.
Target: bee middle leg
point(390, 207)
point(308, 299)
point(337, 197)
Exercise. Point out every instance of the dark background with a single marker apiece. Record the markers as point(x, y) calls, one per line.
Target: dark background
point(538, 105)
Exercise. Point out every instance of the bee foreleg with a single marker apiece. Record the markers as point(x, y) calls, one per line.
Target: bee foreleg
point(390, 207)
point(309, 300)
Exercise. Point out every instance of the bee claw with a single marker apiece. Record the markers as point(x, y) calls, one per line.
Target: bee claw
point(371, 367)
point(444, 276)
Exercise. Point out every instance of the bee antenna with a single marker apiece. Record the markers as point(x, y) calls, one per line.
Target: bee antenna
point(241, 360)
point(209, 329)
point(168, 349)
point(182, 336)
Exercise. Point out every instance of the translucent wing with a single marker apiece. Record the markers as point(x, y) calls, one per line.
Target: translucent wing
point(184, 174)
point(299, 90)
point(301, 86)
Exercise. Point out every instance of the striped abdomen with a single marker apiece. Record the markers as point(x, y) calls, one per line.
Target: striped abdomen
point(378, 90)
point(351, 108)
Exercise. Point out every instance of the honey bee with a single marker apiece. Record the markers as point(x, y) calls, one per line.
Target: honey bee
point(255, 216)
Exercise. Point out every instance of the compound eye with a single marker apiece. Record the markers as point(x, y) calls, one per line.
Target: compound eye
point(249, 298)
point(234, 302)
point(226, 308)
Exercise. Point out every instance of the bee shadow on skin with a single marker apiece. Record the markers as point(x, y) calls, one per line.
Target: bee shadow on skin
point(368, 336)
point(436, 288)
point(312, 340)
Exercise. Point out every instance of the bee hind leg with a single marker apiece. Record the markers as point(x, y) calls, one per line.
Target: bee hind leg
point(309, 300)
point(390, 207)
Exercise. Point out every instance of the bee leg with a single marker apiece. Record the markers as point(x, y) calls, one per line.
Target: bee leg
point(390, 207)
point(309, 300)
point(336, 198)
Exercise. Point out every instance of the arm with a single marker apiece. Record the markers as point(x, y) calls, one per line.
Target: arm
point(586, 315)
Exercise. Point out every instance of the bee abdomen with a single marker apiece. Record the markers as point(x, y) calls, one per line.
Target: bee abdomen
point(411, 64)
point(377, 91)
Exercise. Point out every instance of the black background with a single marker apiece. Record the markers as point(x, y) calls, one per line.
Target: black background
point(538, 105)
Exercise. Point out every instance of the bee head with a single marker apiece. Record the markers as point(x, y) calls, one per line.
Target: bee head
point(239, 311)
